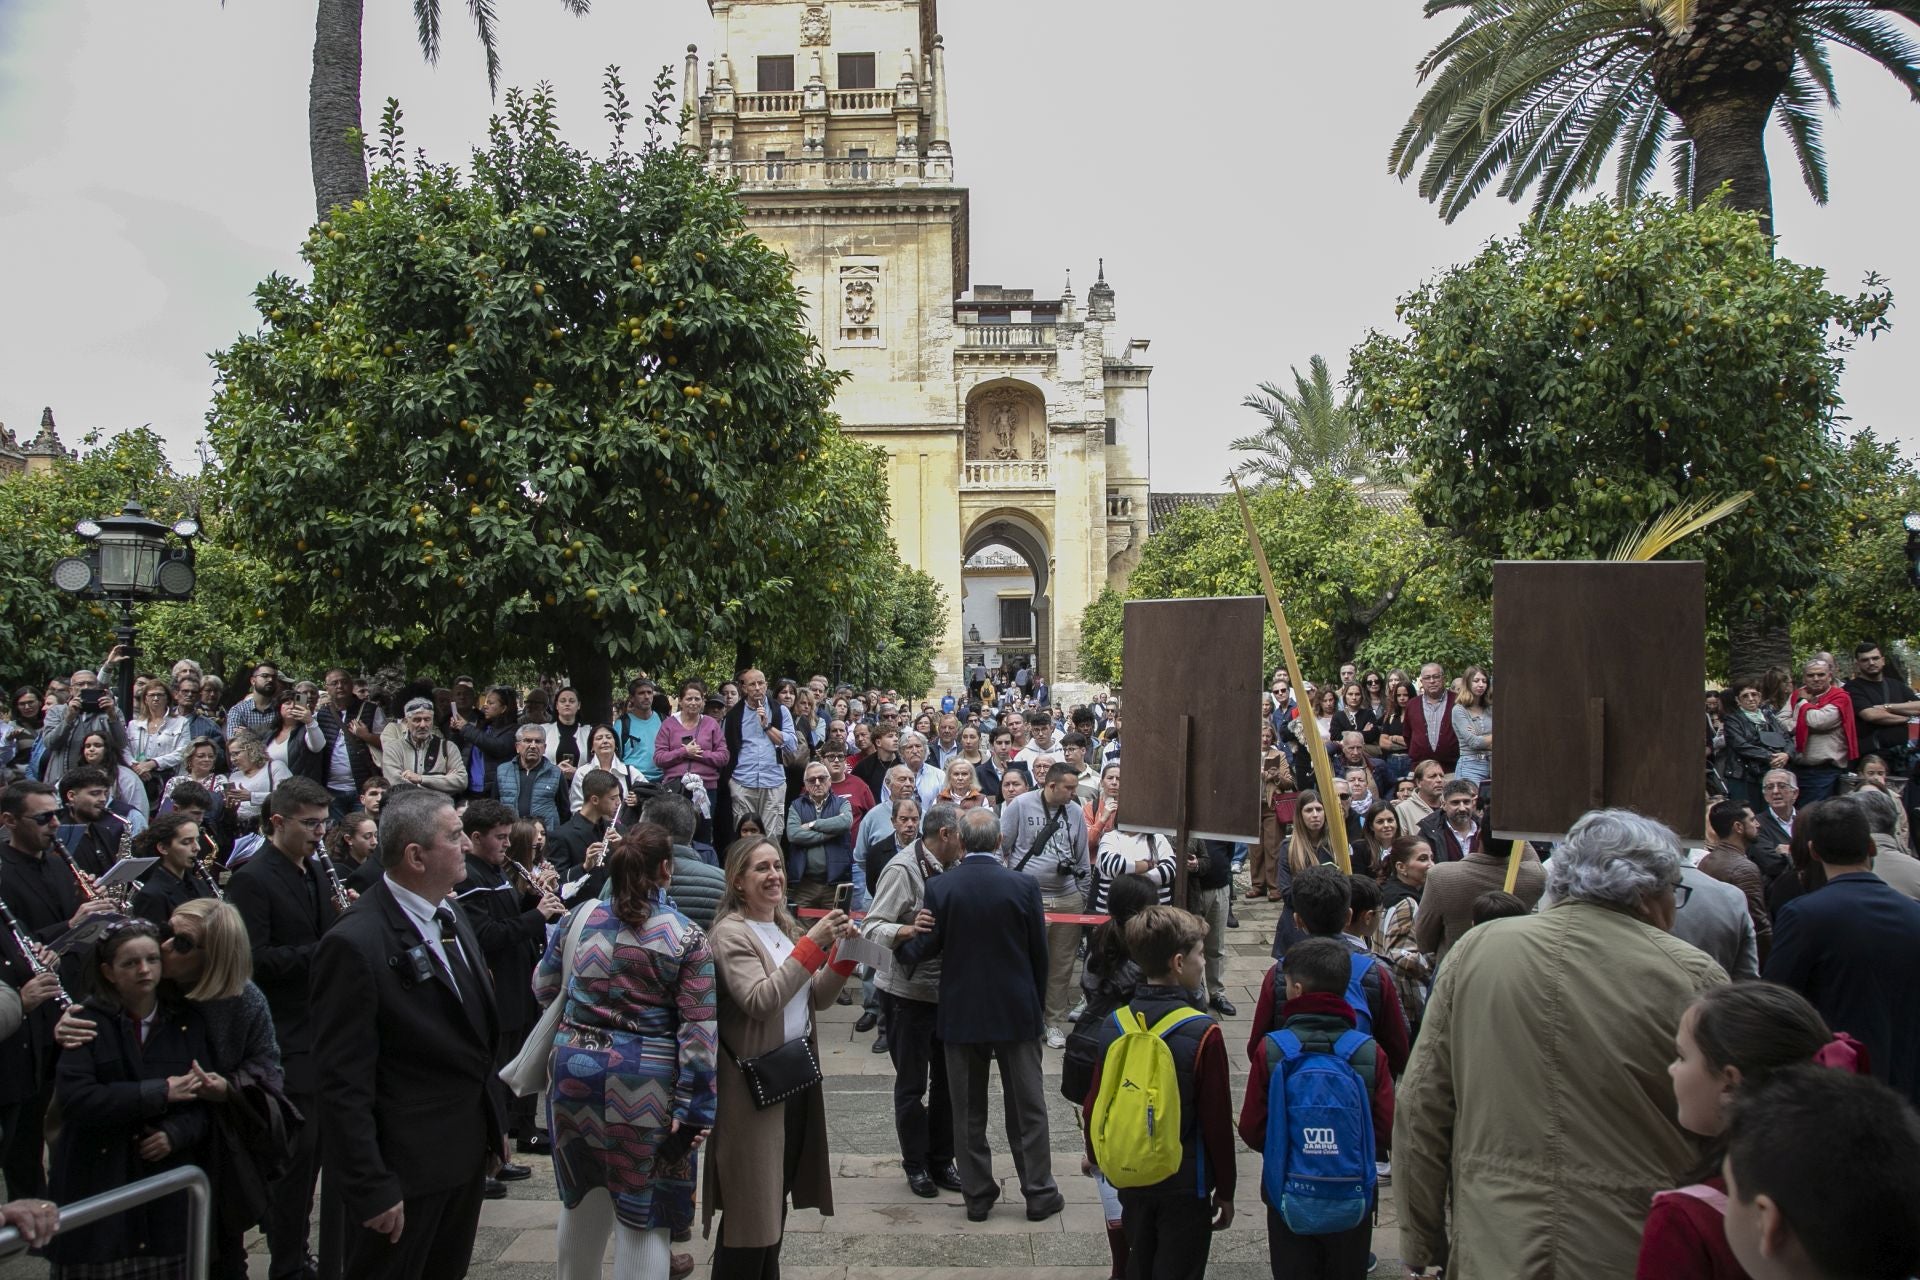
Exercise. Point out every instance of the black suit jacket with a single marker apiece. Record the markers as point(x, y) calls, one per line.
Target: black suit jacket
point(1440, 837)
point(1852, 948)
point(405, 1104)
point(1765, 851)
point(286, 909)
point(993, 983)
point(567, 847)
point(512, 934)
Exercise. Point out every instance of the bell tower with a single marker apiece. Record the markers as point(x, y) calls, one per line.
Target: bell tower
point(1008, 420)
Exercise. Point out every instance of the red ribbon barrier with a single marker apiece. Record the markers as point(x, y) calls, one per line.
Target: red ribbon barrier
point(814, 913)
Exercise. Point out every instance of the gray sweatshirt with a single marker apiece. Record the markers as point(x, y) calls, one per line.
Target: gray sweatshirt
point(1022, 821)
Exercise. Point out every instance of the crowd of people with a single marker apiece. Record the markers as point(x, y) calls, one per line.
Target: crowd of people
point(392, 936)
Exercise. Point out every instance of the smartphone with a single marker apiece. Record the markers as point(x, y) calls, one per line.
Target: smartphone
point(842, 897)
point(675, 1145)
point(685, 738)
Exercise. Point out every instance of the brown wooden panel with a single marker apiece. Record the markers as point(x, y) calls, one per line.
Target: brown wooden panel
point(1598, 668)
point(1198, 658)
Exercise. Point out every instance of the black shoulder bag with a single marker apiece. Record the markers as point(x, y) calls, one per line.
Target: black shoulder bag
point(1046, 833)
point(784, 1073)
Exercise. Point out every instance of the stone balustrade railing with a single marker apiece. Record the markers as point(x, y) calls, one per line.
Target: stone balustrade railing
point(1006, 335)
point(844, 101)
point(1035, 473)
point(1119, 506)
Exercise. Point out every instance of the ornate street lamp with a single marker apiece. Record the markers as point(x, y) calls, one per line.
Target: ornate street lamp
point(129, 560)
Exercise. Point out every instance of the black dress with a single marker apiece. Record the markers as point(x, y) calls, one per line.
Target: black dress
point(111, 1093)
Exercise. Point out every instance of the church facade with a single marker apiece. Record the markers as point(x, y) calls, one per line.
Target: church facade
point(1008, 419)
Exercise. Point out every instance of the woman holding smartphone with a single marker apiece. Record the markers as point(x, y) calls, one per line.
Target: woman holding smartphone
point(692, 742)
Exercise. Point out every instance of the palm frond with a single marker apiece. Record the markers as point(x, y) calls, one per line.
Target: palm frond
point(1640, 155)
point(1860, 25)
point(484, 22)
point(1798, 112)
point(1689, 518)
point(426, 17)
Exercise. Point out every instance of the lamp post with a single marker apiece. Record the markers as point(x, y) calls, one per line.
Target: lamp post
point(129, 560)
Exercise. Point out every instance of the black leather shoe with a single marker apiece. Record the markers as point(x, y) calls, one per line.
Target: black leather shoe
point(496, 1189)
point(921, 1185)
point(868, 1021)
point(512, 1173)
point(947, 1177)
point(845, 997)
point(1222, 1005)
point(880, 1043)
point(538, 1145)
point(1041, 1210)
point(979, 1212)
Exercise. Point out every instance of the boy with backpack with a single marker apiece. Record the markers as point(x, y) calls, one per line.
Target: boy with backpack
point(1323, 907)
point(1318, 1091)
point(1159, 1110)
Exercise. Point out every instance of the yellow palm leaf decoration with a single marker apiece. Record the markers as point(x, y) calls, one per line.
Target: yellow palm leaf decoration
point(1689, 518)
point(1674, 15)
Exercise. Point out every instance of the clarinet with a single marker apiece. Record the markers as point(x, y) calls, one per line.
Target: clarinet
point(122, 894)
point(210, 872)
point(335, 889)
point(89, 891)
point(35, 965)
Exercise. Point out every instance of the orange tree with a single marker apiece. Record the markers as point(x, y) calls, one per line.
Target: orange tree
point(560, 409)
point(1604, 365)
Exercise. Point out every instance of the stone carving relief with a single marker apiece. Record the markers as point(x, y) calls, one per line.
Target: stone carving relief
point(860, 304)
point(815, 26)
point(859, 301)
point(1003, 426)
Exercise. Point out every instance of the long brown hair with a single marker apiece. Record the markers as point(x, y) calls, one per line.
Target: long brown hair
point(739, 854)
point(1302, 852)
point(638, 869)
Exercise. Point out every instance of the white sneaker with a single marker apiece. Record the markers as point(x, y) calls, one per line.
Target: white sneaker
point(1383, 1172)
point(1055, 1040)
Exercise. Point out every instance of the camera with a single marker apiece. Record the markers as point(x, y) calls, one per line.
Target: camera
point(92, 699)
point(1070, 866)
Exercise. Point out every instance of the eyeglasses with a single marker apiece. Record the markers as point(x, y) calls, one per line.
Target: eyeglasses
point(1681, 892)
point(315, 825)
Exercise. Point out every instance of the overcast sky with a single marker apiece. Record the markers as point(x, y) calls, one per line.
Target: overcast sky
point(1228, 161)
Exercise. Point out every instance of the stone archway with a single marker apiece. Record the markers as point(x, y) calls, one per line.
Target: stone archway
point(1022, 535)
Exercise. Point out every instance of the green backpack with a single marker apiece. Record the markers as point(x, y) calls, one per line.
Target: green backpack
point(1135, 1125)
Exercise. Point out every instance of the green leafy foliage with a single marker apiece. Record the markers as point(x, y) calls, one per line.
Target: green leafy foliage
point(1867, 595)
point(1310, 431)
point(1346, 573)
point(1569, 383)
point(45, 631)
point(561, 410)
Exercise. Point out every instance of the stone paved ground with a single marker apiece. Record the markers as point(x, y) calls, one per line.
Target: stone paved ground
point(881, 1231)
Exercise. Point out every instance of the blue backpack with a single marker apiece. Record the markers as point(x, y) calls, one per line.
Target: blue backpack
point(1356, 989)
point(1318, 1171)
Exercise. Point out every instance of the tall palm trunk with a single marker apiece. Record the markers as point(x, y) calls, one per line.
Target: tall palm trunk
point(1722, 76)
point(1754, 644)
point(333, 107)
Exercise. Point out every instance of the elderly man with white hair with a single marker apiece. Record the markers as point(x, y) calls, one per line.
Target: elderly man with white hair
point(1538, 1098)
point(412, 752)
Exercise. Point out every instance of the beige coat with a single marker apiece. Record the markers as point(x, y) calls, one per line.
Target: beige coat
point(744, 1160)
point(1538, 1097)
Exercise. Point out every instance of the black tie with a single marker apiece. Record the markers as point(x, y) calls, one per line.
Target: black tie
point(463, 979)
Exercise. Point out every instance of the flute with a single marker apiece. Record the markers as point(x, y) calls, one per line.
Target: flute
point(35, 965)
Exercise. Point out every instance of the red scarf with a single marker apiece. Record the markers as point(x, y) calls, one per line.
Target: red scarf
point(1833, 697)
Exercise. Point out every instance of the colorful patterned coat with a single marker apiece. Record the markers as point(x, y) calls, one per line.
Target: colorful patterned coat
point(634, 1051)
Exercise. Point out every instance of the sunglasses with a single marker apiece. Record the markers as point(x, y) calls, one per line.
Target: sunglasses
point(46, 819)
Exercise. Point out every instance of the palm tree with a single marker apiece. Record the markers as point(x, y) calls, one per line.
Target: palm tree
point(1310, 431)
point(1539, 92)
point(333, 98)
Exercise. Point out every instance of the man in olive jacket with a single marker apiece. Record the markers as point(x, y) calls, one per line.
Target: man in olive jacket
point(1538, 1095)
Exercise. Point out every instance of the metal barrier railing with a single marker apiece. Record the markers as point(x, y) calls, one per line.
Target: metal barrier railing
point(189, 1178)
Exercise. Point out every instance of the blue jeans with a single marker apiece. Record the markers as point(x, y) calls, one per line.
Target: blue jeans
point(1817, 782)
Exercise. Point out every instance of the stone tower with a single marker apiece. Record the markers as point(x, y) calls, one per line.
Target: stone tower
point(1007, 419)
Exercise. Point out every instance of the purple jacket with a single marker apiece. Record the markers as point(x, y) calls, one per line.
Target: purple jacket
point(674, 760)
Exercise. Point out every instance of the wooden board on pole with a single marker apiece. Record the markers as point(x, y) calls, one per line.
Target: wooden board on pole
point(1599, 667)
point(1193, 670)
